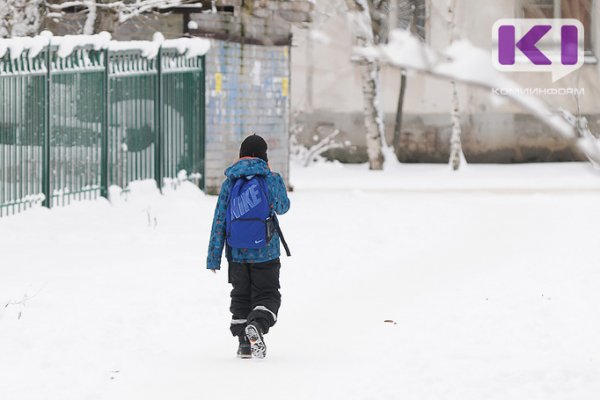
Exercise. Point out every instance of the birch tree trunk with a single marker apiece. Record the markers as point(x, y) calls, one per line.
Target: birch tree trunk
point(373, 118)
point(364, 36)
point(455, 142)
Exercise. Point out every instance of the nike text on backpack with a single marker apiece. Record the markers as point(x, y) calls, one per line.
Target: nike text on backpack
point(250, 223)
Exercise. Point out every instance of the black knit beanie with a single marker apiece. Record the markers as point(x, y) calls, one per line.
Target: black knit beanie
point(254, 146)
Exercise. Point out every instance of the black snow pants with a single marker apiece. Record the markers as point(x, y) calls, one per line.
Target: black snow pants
point(255, 296)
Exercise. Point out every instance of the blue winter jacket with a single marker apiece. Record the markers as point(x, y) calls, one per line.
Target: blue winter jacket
point(278, 201)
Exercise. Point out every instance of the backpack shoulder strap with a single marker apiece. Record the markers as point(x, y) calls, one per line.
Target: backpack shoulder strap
point(265, 189)
point(278, 229)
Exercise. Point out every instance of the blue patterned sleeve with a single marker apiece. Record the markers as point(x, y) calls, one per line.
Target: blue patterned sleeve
point(278, 193)
point(217, 233)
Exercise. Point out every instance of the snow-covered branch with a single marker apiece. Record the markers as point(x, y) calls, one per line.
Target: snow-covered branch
point(88, 27)
point(190, 47)
point(19, 18)
point(467, 64)
point(325, 144)
point(588, 143)
point(66, 4)
point(123, 10)
point(306, 155)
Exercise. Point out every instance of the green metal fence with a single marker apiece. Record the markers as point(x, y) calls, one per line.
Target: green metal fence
point(70, 127)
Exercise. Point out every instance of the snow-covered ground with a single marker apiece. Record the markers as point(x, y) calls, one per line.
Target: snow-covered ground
point(491, 278)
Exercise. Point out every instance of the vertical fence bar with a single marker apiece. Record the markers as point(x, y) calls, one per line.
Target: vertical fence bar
point(73, 150)
point(202, 139)
point(4, 181)
point(11, 158)
point(104, 128)
point(158, 159)
point(46, 143)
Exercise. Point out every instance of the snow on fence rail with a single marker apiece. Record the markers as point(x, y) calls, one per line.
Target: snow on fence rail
point(82, 113)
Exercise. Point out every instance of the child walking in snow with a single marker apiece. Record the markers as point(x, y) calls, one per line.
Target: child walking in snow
point(245, 223)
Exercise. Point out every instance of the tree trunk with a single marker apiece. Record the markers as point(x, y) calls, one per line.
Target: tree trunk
point(373, 117)
point(399, 111)
point(455, 143)
point(90, 20)
point(364, 34)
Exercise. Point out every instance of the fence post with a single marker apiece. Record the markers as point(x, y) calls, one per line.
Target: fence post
point(105, 123)
point(158, 159)
point(203, 123)
point(46, 145)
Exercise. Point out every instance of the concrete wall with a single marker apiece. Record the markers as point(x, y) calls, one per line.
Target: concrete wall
point(327, 92)
point(247, 91)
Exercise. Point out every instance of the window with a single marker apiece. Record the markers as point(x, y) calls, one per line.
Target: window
point(578, 9)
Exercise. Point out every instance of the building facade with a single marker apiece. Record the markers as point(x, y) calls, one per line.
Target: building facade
point(247, 71)
point(327, 90)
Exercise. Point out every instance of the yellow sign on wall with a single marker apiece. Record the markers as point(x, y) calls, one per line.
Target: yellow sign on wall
point(284, 86)
point(218, 82)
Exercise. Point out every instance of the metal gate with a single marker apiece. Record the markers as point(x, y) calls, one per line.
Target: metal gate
point(70, 127)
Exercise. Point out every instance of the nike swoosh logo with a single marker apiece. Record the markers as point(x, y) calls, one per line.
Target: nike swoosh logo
point(258, 241)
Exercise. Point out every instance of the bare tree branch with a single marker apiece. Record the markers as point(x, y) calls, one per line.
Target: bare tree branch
point(121, 11)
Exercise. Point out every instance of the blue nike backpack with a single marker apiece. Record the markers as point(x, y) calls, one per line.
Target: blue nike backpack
point(248, 214)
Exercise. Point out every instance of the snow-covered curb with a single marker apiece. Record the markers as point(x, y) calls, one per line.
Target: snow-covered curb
point(191, 47)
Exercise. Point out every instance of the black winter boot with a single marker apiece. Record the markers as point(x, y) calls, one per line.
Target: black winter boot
point(257, 344)
point(244, 347)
